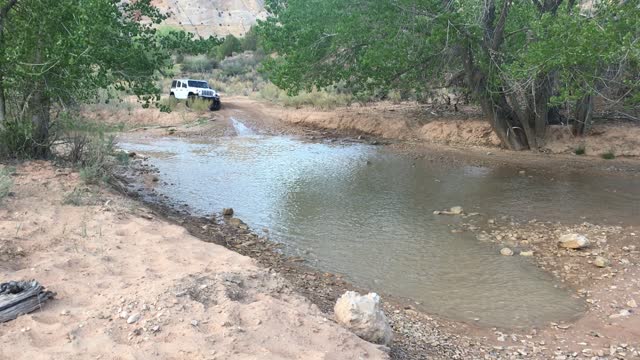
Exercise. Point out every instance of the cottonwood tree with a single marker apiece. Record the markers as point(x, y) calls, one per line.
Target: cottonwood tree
point(56, 53)
point(520, 59)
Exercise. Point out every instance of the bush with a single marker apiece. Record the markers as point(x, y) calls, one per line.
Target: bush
point(609, 155)
point(16, 139)
point(580, 150)
point(230, 45)
point(322, 99)
point(198, 104)
point(198, 64)
point(5, 182)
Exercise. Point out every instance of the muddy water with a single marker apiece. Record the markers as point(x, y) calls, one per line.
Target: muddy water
point(367, 213)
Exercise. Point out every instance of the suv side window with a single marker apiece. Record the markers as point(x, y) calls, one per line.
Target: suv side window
point(173, 84)
point(184, 85)
point(179, 84)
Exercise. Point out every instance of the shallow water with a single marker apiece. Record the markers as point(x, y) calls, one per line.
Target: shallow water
point(367, 213)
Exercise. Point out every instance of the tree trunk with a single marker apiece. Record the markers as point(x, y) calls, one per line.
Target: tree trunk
point(40, 106)
point(40, 111)
point(4, 12)
point(584, 115)
point(504, 121)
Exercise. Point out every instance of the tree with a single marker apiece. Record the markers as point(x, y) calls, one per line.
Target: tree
point(57, 53)
point(250, 40)
point(186, 43)
point(230, 45)
point(519, 59)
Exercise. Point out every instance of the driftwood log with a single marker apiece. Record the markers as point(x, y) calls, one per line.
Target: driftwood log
point(21, 297)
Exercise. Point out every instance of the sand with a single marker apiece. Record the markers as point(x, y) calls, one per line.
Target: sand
point(111, 260)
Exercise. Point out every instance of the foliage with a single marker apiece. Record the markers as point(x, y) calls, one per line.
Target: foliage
point(16, 139)
point(199, 104)
point(98, 161)
point(230, 45)
point(198, 64)
point(5, 182)
point(609, 155)
point(515, 57)
point(81, 197)
point(57, 54)
point(250, 41)
point(580, 150)
point(181, 42)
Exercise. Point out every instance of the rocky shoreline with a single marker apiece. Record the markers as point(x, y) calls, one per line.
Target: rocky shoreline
point(424, 336)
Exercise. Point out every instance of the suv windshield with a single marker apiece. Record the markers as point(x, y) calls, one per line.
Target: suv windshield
point(198, 84)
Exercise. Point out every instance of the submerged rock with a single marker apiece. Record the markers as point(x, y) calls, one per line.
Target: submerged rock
point(506, 251)
point(573, 241)
point(363, 315)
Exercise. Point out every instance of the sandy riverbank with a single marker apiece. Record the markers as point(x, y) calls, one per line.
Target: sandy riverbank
point(109, 258)
point(608, 292)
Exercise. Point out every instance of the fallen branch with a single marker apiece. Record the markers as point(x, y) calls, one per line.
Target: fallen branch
point(21, 297)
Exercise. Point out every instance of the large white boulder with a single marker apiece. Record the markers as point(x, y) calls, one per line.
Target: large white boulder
point(363, 315)
point(573, 241)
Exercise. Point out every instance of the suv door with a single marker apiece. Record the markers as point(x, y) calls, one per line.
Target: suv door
point(180, 91)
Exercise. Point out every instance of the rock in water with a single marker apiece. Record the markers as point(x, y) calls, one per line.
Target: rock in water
point(227, 212)
point(363, 315)
point(601, 262)
point(506, 251)
point(526, 253)
point(456, 210)
point(573, 241)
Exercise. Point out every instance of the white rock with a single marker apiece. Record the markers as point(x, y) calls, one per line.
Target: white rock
point(632, 304)
point(506, 251)
point(363, 315)
point(526, 253)
point(573, 241)
point(456, 210)
point(133, 319)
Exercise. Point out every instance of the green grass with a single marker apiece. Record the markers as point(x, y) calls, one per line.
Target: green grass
point(580, 150)
point(609, 155)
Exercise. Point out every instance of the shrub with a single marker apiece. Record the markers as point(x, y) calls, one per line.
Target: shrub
point(97, 162)
point(609, 155)
point(5, 182)
point(16, 139)
point(580, 150)
point(198, 104)
point(169, 103)
point(198, 64)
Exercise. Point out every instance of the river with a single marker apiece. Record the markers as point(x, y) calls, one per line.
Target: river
point(367, 213)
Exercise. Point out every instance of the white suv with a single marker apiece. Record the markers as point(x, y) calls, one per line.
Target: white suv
point(186, 89)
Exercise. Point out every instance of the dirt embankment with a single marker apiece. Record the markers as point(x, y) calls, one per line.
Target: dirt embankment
point(417, 123)
point(132, 286)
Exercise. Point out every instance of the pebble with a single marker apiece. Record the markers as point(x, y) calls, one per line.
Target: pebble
point(133, 319)
point(632, 304)
point(506, 251)
point(601, 262)
point(194, 322)
point(526, 253)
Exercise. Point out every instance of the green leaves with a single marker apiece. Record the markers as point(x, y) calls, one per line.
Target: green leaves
point(75, 47)
point(408, 44)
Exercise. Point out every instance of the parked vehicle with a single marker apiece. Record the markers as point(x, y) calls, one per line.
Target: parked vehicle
point(189, 89)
